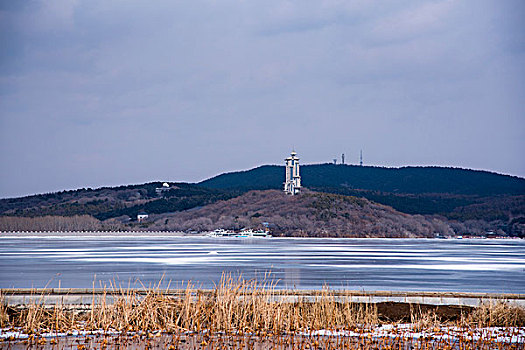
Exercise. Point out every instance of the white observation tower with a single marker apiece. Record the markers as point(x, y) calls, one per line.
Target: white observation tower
point(292, 185)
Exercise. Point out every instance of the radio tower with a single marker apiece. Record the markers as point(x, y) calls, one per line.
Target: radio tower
point(361, 158)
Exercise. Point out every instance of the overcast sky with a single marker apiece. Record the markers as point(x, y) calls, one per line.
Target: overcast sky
point(99, 93)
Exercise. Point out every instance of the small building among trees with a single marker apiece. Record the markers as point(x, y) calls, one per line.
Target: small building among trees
point(165, 187)
point(142, 216)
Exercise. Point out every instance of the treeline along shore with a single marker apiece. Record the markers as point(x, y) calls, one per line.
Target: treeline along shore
point(339, 201)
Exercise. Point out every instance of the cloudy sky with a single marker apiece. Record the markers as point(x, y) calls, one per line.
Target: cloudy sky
point(97, 92)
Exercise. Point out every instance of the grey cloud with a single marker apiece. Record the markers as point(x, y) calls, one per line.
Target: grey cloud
point(107, 92)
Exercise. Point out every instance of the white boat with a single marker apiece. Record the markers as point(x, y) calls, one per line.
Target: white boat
point(221, 233)
point(249, 233)
point(244, 233)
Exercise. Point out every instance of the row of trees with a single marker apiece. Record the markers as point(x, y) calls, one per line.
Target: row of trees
point(50, 223)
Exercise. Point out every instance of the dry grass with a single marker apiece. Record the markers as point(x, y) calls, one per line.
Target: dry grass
point(497, 314)
point(236, 306)
point(423, 320)
point(4, 316)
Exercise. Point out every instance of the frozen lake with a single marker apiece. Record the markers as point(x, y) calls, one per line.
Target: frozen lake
point(356, 264)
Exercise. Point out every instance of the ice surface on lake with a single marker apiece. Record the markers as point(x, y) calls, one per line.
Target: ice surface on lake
point(356, 264)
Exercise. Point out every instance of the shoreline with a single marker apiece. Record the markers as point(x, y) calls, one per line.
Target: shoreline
point(180, 234)
point(98, 234)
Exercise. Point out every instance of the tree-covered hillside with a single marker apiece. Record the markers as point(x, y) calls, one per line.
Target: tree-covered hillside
point(312, 214)
point(109, 202)
point(413, 180)
point(478, 201)
point(458, 194)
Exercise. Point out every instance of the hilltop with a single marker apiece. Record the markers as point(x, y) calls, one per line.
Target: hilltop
point(408, 180)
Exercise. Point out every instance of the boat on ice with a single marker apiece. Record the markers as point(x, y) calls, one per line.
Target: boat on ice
point(221, 233)
point(244, 233)
point(249, 233)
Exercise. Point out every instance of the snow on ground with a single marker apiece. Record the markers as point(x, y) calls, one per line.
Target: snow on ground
point(494, 334)
point(405, 331)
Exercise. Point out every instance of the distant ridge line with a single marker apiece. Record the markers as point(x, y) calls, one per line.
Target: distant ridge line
point(405, 179)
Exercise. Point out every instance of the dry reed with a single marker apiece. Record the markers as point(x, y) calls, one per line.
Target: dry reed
point(236, 306)
point(497, 314)
point(4, 316)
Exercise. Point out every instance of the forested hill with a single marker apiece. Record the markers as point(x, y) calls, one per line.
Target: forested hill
point(481, 201)
point(409, 180)
point(311, 214)
point(110, 202)
point(457, 194)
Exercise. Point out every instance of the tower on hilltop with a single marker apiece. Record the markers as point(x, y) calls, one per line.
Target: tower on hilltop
point(292, 185)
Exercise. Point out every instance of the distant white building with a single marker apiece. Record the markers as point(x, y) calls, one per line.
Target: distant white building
point(142, 216)
point(292, 184)
point(165, 187)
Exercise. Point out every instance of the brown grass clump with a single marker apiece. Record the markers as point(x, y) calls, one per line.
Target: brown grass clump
point(235, 305)
point(36, 316)
point(246, 305)
point(423, 320)
point(497, 314)
point(4, 316)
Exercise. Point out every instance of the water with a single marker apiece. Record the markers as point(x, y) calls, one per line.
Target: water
point(358, 264)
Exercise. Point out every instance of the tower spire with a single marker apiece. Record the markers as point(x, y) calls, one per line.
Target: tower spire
point(292, 184)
